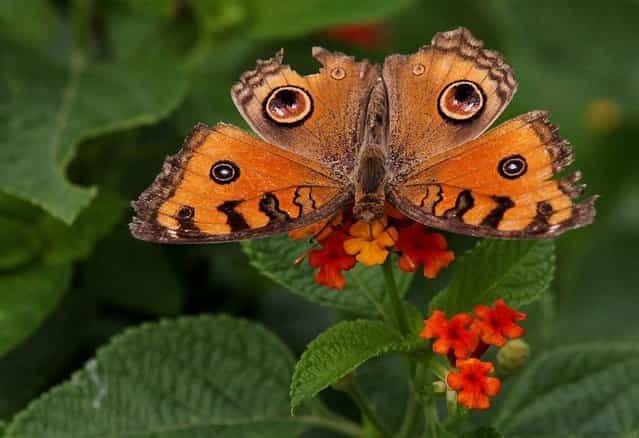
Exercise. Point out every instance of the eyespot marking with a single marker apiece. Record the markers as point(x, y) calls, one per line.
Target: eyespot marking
point(288, 105)
point(224, 172)
point(338, 73)
point(461, 101)
point(512, 167)
point(418, 69)
point(185, 212)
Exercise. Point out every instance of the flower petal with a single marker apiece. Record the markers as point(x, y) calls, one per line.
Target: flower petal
point(492, 386)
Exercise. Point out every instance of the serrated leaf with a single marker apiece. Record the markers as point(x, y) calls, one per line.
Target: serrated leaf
point(198, 376)
point(582, 390)
point(339, 351)
point(289, 18)
point(519, 271)
point(27, 296)
point(364, 293)
point(44, 121)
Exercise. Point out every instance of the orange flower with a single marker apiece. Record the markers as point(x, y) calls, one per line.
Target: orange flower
point(332, 260)
point(418, 247)
point(495, 326)
point(452, 336)
point(370, 241)
point(472, 383)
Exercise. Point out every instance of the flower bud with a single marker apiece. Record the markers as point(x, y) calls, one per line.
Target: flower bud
point(439, 387)
point(513, 356)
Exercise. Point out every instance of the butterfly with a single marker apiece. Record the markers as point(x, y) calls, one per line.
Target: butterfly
point(410, 133)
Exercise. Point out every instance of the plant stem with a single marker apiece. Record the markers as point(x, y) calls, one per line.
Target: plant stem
point(368, 412)
point(430, 412)
point(411, 418)
point(396, 302)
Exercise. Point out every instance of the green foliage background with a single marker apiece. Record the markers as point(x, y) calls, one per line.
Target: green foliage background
point(94, 94)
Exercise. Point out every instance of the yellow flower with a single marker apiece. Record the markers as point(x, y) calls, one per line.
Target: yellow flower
point(370, 241)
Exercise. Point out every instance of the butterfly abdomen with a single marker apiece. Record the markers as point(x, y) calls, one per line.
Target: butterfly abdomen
point(370, 184)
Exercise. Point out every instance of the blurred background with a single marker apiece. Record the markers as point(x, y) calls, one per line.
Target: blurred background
point(95, 93)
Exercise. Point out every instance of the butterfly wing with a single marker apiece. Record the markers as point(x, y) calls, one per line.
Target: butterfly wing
point(425, 119)
point(499, 185)
point(226, 185)
point(319, 116)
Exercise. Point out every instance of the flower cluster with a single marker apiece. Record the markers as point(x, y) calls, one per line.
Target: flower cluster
point(464, 339)
point(344, 242)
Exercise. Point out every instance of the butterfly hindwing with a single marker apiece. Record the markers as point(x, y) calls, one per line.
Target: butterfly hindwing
point(226, 185)
point(499, 185)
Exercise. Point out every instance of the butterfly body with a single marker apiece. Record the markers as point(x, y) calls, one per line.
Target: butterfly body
point(410, 133)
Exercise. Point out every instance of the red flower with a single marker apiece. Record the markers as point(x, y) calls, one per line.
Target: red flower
point(495, 326)
point(454, 335)
point(418, 247)
point(472, 383)
point(367, 36)
point(332, 260)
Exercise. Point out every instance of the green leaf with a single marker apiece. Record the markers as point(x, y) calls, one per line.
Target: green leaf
point(582, 390)
point(35, 18)
point(160, 8)
point(364, 292)
point(77, 241)
point(290, 18)
point(20, 243)
point(27, 296)
point(197, 376)
point(339, 351)
point(40, 250)
point(44, 121)
point(517, 271)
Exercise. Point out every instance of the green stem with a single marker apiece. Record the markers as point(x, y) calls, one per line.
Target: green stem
point(368, 412)
point(415, 400)
point(396, 302)
point(430, 412)
point(410, 418)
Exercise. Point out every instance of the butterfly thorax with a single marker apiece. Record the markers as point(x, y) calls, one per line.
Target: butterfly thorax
point(370, 180)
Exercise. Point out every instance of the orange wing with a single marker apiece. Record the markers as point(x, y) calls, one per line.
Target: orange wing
point(226, 185)
point(499, 185)
point(319, 116)
point(443, 95)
